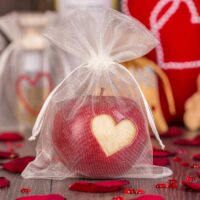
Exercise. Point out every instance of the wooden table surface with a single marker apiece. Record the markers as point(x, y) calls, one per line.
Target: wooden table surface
point(61, 187)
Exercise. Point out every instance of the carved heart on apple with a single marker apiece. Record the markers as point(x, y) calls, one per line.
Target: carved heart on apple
point(104, 137)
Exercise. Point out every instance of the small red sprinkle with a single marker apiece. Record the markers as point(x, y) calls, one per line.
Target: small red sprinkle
point(176, 159)
point(196, 166)
point(161, 185)
point(185, 164)
point(118, 198)
point(25, 190)
point(139, 191)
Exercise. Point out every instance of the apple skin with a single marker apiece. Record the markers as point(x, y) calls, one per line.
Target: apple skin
point(79, 150)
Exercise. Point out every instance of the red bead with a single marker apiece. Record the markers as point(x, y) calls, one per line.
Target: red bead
point(176, 159)
point(129, 191)
point(196, 166)
point(190, 178)
point(139, 191)
point(118, 198)
point(173, 185)
point(185, 164)
point(172, 181)
point(161, 185)
point(25, 190)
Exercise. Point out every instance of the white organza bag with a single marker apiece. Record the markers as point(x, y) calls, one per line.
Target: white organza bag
point(95, 122)
point(29, 70)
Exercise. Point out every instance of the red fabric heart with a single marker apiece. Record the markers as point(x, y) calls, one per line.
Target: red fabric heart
point(4, 182)
point(149, 197)
point(33, 82)
point(18, 165)
point(8, 155)
point(11, 136)
point(43, 197)
point(162, 153)
point(196, 157)
point(161, 161)
point(192, 142)
point(191, 185)
point(177, 47)
point(100, 186)
point(172, 132)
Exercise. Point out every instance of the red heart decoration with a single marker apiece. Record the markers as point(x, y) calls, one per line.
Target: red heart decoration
point(32, 82)
point(179, 47)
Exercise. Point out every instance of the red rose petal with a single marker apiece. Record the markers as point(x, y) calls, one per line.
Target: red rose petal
point(11, 136)
point(191, 185)
point(196, 157)
point(162, 153)
point(161, 161)
point(192, 142)
point(8, 155)
point(43, 197)
point(18, 165)
point(100, 186)
point(198, 173)
point(4, 182)
point(172, 132)
point(149, 197)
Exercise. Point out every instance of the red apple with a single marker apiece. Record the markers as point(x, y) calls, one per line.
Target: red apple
point(103, 136)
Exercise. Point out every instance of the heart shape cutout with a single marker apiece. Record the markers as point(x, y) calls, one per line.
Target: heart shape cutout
point(32, 82)
point(110, 136)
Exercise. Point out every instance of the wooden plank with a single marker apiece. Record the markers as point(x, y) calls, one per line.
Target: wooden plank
point(17, 183)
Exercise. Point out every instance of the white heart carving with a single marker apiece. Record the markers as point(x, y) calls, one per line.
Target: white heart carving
point(112, 137)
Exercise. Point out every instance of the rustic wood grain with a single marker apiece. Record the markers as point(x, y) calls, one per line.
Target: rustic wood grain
point(61, 187)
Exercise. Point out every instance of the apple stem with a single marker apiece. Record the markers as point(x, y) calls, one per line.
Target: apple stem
point(102, 91)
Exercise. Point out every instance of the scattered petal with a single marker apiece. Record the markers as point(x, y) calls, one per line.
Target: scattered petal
point(172, 132)
point(162, 153)
point(149, 197)
point(190, 142)
point(100, 186)
point(4, 182)
point(161, 161)
point(198, 173)
point(196, 157)
point(8, 155)
point(43, 197)
point(11, 136)
point(18, 165)
point(191, 185)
